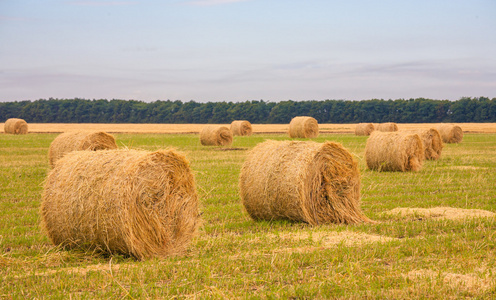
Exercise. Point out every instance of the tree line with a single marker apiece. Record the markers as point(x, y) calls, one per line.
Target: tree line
point(419, 110)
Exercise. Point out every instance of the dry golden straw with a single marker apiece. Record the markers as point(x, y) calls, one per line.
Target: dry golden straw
point(451, 133)
point(213, 135)
point(364, 128)
point(387, 127)
point(138, 203)
point(79, 140)
point(241, 128)
point(305, 181)
point(432, 141)
point(15, 126)
point(303, 127)
point(394, 151)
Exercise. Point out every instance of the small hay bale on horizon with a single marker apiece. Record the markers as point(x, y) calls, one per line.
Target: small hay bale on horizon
point(450, 133)
point(394, 151)
point(214, 135)
point(387, 127)
point(15, 126)
point(364, 128)
point(303, 181)
point(79, 140)
point(137, 203)
point(432, 141)
point(303, 127)
point(241, 127)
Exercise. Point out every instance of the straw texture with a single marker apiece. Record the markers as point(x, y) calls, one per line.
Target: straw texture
point(303, 127)
point(213, 135)
point(364, 128)
point(242, 128)
point(79, 140)
point(310, 182)
point(451, 133)
point(394, 151)
point(138, 203)
point(15, 126)
point(432, 142)
point(387, 127)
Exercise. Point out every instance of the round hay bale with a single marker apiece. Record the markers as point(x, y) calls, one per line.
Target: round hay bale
point(15, 126)
point(303, 127)
point(451, 133)
point(387, 127)
point(79, 140)
point(138, 203)
point(394, 151)
point(364, 129)
point(305, 181)
point(213, 135)
point(241, 128)
point(432, 141)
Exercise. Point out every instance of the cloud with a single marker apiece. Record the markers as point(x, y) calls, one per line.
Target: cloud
point(211, 2)
point(102, 3)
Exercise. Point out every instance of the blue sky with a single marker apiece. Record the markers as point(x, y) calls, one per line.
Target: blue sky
point(237, 50)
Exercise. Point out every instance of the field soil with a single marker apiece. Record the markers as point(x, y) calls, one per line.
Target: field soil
point(257, 128)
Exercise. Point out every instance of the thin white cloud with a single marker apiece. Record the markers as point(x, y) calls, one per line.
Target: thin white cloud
point(211, 2)
point(102, 3)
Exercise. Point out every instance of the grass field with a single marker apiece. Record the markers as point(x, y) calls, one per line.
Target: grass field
point(444, 254)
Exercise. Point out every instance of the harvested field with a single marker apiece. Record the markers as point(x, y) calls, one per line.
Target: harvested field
point(257, 128)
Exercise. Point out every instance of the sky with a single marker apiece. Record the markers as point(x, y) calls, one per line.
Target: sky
point(238, 50)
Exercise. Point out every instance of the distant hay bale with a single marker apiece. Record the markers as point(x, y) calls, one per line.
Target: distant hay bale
point(432, 141)
point(15, 126)
point(303, 127)
point(241, 128)
point(451, 133)
point(387, 127)
point(79, 140)
point(138, 203)
point(364, 129)
point(311, 182)
point(394, 151)
point(213, 135)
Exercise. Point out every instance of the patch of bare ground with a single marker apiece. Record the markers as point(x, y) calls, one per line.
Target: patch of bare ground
point(440, 213)
point(468, 282)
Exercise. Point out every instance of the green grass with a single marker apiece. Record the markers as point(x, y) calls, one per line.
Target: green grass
point(235, 257)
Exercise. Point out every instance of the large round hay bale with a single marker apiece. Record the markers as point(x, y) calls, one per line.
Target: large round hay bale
point(303, 127)
point(79, 140)
point(394, 151)
point(364, 128)
point(15, 126)
point(241, 128)
point(311, 182)
point(387, 127)
point(450, 133)
point(214, 135)
point(432, 141)
point(138, 203)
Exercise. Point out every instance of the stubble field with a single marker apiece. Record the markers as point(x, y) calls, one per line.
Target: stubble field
point(445, 251)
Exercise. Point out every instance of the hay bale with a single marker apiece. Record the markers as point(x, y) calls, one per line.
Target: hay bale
point(303, 127)
point(213, 135)
point(241, 128)
point(387, 127)
point(79, 140)
point(432, 141)
point(394, 151)
point(450, 133)
point(138, 203)
point(15, 126)
point(311, 182)
point(364, 128)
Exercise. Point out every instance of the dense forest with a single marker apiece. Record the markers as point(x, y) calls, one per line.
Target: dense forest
point(418, 110)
